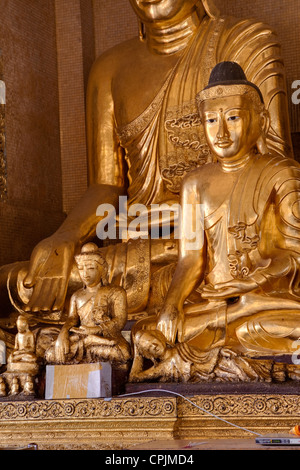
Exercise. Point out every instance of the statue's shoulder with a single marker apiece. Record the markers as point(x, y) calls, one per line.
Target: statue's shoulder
point(117, 56)
point(200, 175)
point(238, 25)
point(274, 170)
point(113, 291)
point(78, 295)
point(237, 33)
point(276, 161)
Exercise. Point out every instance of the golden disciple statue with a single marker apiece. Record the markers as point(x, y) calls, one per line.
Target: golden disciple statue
point(176, 363)
point(144, 134)
point(244, 260)
point(97, 315)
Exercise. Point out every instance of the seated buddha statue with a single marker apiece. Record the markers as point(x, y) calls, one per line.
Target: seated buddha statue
point(245, 264)
point(97, 314)
point(22, 363)
point(24, 350)
point(144, 134)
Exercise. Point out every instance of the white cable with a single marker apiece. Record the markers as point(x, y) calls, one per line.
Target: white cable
point(191, 402)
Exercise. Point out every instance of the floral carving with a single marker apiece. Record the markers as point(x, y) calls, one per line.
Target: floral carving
point(84, 409)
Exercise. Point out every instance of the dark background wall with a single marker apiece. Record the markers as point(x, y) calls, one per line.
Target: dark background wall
point(33, 205)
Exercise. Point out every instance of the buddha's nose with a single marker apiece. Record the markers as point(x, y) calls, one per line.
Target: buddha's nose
point(223, 129)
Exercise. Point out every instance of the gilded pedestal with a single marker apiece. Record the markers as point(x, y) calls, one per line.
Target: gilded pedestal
point(123, 422)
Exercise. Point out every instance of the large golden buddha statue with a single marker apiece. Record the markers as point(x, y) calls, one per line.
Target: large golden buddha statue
point(245, 261)
point(144, 134)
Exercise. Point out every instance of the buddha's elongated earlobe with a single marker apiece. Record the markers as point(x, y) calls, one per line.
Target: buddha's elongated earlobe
point(262, 145)
point(266, 121)
point(142, 32)
point(262, 140)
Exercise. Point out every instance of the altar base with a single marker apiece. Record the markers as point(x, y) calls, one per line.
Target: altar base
point(146, 415)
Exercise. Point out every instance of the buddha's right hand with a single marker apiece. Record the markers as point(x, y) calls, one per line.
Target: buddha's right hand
point(48, 274)
point(62, 347)
point(169, 322)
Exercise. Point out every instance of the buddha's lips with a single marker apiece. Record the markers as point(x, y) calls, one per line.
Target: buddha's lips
point(224, 143)
point(146, 2)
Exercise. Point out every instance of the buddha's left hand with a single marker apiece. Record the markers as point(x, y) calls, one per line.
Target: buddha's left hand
point(225, 290)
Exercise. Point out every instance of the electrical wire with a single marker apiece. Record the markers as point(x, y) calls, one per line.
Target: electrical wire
point(188, 400)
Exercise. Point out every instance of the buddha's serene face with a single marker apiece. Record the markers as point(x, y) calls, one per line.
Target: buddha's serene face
point(232, 127)
point(163, 10)
point(22, 324)
point(90, 272)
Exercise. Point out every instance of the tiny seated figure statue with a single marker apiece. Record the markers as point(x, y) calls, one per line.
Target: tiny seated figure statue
point(22, 363)
point(24, 351)
point(15, 386)
point(244, 257)
point(97, 315)
point(28, 386)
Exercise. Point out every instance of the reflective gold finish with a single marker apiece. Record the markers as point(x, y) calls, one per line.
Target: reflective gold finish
point(245, 266)
point(22, 363)
point(97, 315)
point(144, 132)
point(91, 424)
point(149, 138)
point(183, 362)
point(24, 344)
point(234, 299)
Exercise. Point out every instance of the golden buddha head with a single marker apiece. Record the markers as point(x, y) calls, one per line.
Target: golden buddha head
point(233, 113)
point(22, 324)
point(151, 344)
point(164, 10)
point(92, 266)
